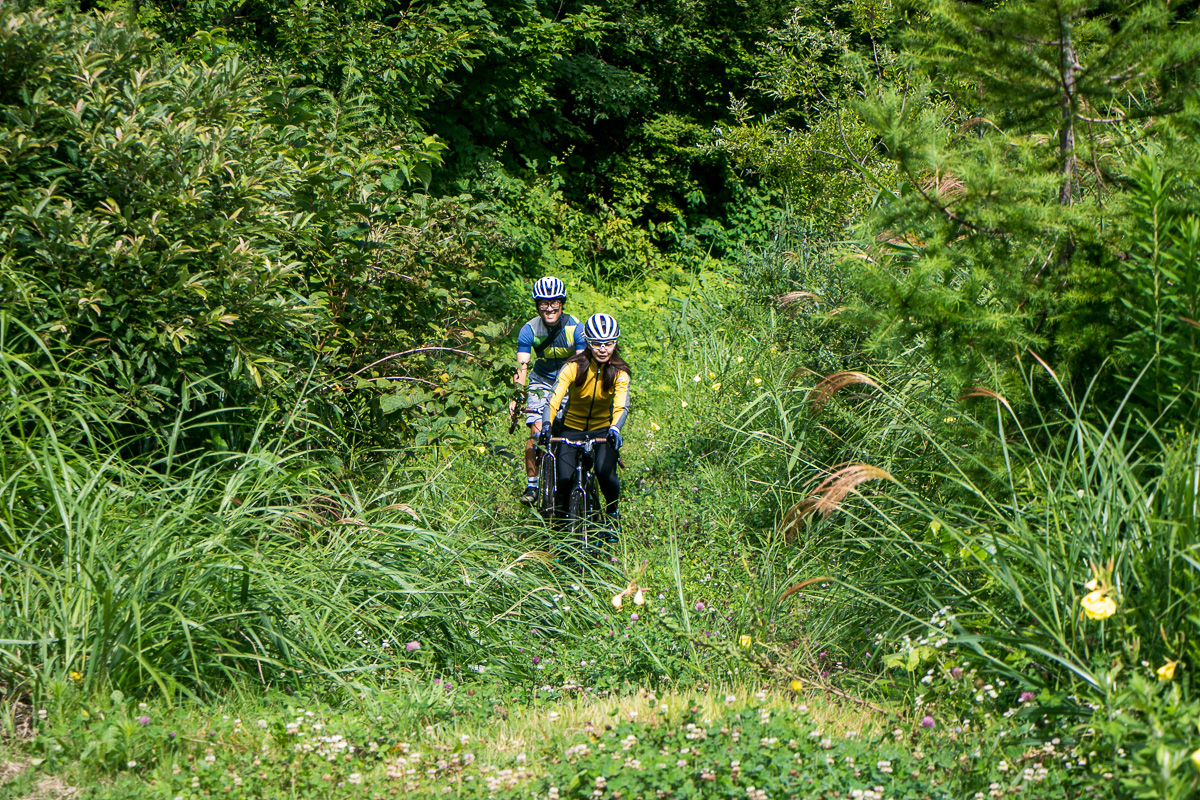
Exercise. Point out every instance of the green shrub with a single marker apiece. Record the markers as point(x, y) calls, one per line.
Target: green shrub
point(194, 234)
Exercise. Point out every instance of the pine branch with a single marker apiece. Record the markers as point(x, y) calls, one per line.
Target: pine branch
point(1027, 40)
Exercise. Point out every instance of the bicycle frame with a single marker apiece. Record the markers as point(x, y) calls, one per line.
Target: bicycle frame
point(577, 507)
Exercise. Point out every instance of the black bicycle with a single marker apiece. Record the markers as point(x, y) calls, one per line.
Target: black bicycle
point(584, 505)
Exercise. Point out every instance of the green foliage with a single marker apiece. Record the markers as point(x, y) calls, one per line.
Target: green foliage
point(1003, 231)
point(517, 82)
point(265, 566)
point(189, 234)
point(761, 752)
point(802, 136)
point(696, 744)
point(1160, 288)
point(963, 548)
point(123, 187)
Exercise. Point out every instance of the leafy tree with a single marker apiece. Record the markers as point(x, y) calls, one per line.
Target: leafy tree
point(809, 142)
point(193, 236)
point(1011, 156)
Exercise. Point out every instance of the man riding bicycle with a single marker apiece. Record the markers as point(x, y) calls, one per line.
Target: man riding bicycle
point(552, 337)
point(596, 382)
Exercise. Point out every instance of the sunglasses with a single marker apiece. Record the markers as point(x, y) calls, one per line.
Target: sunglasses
point(603, 345)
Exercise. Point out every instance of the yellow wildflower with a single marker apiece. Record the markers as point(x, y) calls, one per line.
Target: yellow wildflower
point(712, 375)
point(1092, 585)
point(482, 449)
point(696, 378)
point(796, 686)
point(1167, 671)
point(683, 403)
point(740, 359)
point(1098, 605)
point(76, 676)
point(757, 381)
point(445, 377)
point(1196, 759)
point(716, 386)
point(654, 427)
point(744, 641)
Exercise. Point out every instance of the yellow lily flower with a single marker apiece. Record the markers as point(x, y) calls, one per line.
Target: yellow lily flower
point(1098, 605)
point(1167, 671)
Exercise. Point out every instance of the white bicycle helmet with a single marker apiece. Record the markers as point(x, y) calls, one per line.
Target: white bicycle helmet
point(549, 288)
point(601, 328)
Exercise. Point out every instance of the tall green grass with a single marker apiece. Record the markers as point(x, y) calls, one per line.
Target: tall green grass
point(1000, 511)
point(194, 572)
point(1001, 517)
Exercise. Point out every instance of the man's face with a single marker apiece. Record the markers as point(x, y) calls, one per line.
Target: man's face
point(550, 311)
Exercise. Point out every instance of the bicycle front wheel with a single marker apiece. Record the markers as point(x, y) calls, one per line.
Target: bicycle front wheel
point(577, 511)
point(546, 477)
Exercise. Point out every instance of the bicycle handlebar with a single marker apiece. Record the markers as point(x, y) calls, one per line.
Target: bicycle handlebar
point(581, 442)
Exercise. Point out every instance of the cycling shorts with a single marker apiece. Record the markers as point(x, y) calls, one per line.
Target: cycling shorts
point(538, 395)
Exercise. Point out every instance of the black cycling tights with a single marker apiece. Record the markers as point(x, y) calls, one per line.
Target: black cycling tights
point(604, 456)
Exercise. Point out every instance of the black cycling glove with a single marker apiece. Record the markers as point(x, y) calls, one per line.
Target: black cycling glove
point(614, 438)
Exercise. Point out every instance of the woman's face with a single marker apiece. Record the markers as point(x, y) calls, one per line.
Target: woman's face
point(602, 351)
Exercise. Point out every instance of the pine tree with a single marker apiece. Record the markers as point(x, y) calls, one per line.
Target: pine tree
point(1012, 141)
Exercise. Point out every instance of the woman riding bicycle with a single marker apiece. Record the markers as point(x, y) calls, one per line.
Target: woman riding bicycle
point(597, 381)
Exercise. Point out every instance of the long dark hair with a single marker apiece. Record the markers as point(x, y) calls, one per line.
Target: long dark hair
point(615, 366)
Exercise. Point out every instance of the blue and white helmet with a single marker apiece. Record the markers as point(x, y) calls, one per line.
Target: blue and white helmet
point(549, 288)
point(601, 328)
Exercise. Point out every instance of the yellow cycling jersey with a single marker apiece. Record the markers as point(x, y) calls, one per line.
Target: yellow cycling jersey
point(591, 408)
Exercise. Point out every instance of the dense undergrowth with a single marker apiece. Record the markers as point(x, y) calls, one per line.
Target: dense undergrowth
point(938, 588)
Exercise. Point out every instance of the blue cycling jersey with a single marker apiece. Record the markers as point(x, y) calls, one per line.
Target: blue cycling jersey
point(551, 346)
